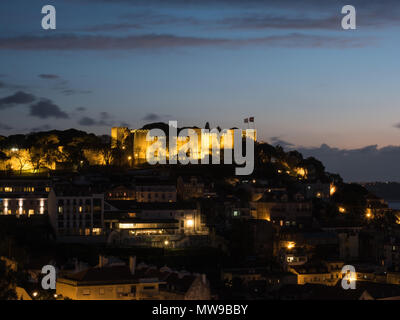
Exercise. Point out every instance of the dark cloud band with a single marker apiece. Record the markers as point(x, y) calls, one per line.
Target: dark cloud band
point(155, 41)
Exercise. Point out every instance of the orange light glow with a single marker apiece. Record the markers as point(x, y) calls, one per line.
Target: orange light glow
point(291, 245)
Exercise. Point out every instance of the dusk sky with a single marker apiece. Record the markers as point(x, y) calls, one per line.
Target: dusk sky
point(288, 63)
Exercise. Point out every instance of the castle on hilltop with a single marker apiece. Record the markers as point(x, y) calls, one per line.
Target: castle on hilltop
point(134, 142)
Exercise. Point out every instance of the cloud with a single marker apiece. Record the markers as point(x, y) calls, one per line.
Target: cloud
point(151, 117)
point(44, 127)
point(61, 84)
point(271, 4)
point(277, 141)
point(367, 16)
point(155, 117)
point(125, 124)
point(112, 27)
point(365, 164)
point(4, 85)
point(160, 41)
point(48, 76)
point(151, 18)
point(80, 109)
point(269, 21)
point(105, 115)
point(282, 14)
point(4, 126)
point(397, 125)
point(88, 121)
point(369, 163)
point(19, 97)
point(45, 108)
point(142, 20)
point(69, 92)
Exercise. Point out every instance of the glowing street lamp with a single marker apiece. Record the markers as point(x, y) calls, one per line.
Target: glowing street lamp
point(189, 223)
point(301, 172)
point(332, 190)
point(291, 245)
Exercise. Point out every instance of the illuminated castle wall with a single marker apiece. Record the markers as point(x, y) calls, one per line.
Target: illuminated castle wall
point(134, 142)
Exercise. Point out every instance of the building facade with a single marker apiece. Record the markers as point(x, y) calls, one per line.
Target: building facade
point(24, 196)
point(76, 213)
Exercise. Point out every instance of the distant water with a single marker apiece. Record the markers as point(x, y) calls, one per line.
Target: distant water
point(395, 204)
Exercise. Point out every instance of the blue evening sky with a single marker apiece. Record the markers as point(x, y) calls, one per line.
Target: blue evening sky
point(290, 65)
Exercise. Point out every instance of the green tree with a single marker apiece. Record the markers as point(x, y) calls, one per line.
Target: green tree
point(43, 151)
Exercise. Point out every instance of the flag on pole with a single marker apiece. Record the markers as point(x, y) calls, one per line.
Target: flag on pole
point(251, 119)
point(246, 120)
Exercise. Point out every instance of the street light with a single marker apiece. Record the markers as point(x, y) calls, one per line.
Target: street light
point(130, 161)
point(189, 223)
point(291, 245)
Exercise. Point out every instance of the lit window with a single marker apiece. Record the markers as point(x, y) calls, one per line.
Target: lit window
point(86, 292)
point(126, 225)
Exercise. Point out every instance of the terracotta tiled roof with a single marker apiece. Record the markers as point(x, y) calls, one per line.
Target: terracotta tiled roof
point(121, 274)
point(115, 273)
